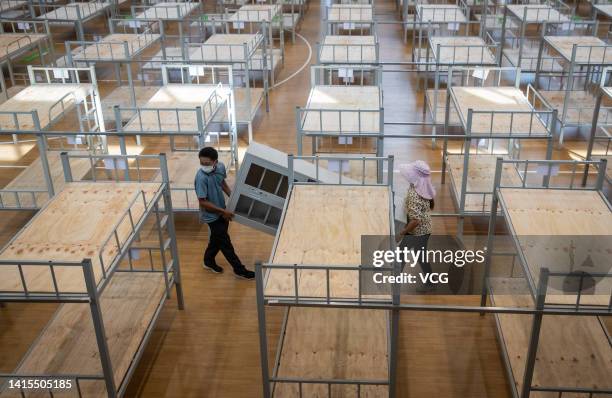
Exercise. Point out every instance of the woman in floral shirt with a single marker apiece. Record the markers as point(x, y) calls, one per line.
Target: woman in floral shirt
point(418, 204)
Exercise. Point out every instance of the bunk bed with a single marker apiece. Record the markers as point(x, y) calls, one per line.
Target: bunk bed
point(345, 112)
point(305, 363)
point(561, 354)
point(77, 13)
point(348, 50)
point(90, 269)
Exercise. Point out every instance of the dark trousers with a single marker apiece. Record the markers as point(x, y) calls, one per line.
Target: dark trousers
point(219, 240)
point(417, 242)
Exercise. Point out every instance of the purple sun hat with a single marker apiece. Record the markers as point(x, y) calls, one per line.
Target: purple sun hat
point(418, 174)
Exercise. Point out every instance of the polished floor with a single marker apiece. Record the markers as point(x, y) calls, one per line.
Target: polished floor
point(211, 348)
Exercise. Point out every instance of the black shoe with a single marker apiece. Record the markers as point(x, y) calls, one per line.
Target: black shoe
point(213, 268)
point(244, 273)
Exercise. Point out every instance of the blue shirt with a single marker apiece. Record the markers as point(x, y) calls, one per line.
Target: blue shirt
point(208, 186)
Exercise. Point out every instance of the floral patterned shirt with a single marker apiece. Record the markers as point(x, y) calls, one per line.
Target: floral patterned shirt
point(417, 208)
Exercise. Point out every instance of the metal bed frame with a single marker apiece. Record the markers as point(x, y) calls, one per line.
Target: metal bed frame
point(345, 49)
point(25, 44)
point(576, 76)
point(220, 100)
point(539, 309)
point(600, 131)
point(90, 117)
point(161, 14)
point(324, 75)
point(159, 207)
point(539, 291)
point(251, 20)
point(360, 301)
point(511, 140)
point(451, 23)
point(80, 20)
point(511, 23)
point(242, 56)
point(128, 56)
point(439, 68)
point(357, 24)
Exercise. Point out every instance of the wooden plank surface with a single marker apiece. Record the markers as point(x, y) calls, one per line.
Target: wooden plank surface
point(122, 96)
point(32, 177)
point(311, 346)
point(256, 12)
point(69, 11)
point(11, 43)
point(168, 10)
point(529, 60)
point(572, 352)
point(536, 13)
point(246, 104)
point(74, 226)
point(348, 49)
point(184, 96)
point(12, 4)
point(344, 214)
point(112, 47)
point(350, 12)
point(440, 13)
point(68, 344)
point(477, 54)
point(505, 99)
point(481, 177)
point(580, 106)
point(334, 344)
point(348, 98)
point(589, 50)
point(535, 217)
point(225, 47)
point(41, 98)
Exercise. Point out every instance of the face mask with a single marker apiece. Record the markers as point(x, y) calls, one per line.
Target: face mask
point(207, 169)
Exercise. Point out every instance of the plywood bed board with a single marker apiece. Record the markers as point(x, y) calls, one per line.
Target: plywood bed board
point(440, 13)
point(350, 12)
point(481, 177)
point(73, 226)
point(536, 13)
point(480, 54)
point(589, 50)
point(529, 60)
point(580, 106)
point(345, 213)
point(69, 11)
point(168, 10)
point(224, 47)
point(356, 49)
point(68, 344)
point(32, 177)
point(112, 47)
point(573, 351)
point(497, 99)
point(39, 97)
point(184, 96)
point(13, 42)
point(334, 344)
point(256, 12)
point(555, 217)
point(344, 98)
point(122, 96)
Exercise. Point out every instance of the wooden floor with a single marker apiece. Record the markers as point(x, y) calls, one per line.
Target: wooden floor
point(211, 350)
